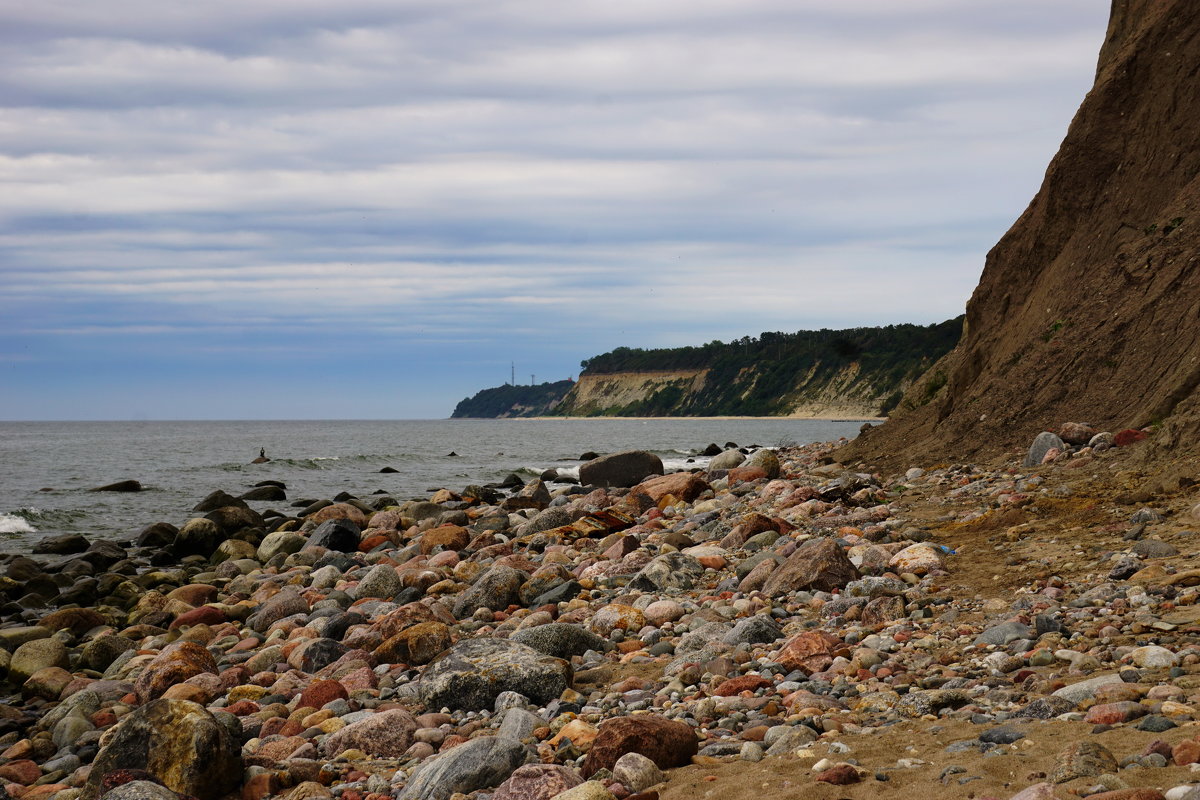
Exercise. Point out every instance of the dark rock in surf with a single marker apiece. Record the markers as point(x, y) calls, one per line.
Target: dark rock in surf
point(61, 545)
point(215, 500)
point(231, 519)
point(119, 486)
point(271, 493)
point(620, 469)
point(160, 534)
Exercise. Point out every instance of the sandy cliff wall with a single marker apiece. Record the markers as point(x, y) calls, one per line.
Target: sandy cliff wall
point(1087, 308)
point(842, 394)
point(601, 394)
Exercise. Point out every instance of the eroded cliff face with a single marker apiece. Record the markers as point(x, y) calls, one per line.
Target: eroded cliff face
point(1087, 308)
point(608, 394)
point(843, 394)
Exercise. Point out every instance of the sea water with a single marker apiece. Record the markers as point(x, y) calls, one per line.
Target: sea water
point(47, 468)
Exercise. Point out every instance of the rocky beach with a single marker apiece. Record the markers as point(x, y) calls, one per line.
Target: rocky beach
point(777, 623)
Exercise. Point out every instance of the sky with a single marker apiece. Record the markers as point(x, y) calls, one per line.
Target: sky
point(303, 209)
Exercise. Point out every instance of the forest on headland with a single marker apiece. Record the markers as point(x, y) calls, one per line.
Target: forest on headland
point(772, 374)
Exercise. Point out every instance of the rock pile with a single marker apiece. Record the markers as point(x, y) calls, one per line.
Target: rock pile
point(580, 641)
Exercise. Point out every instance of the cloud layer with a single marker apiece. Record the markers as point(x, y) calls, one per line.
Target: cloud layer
point(369, 209)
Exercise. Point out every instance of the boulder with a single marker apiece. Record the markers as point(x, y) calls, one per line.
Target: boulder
point(497, 589)
point(273, 544)
point(670, 571)
point(176, 663)
point(726, 460)
point(620, 469)
point(119, 486)
point(560, 639)
point(415, 645)
point(809, 651)
point(159, 534)
point(919, 559)
point(215, 500)
point(36, 655)
point(178, 742)
point(818, 564)
point(314, 655)
point(380, 581)
point(265, 493)
point(537, 782)
point(232, 519)
point(61, 545)
point(140, 790)
point(1042, 444)
point(197, 537)
point(343, 511)
point(473, 672)
point(685, 486)
point(636, 772)
point(284, 604)
point(385, 734)
point(336, 534)
point(444, 537)
point(478, 764)
point(76, 620)
point(668, 743)
point(767, 460)
point(1078, 433)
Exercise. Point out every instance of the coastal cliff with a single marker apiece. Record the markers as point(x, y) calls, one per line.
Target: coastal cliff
point(1087, 307)
point(857, 372)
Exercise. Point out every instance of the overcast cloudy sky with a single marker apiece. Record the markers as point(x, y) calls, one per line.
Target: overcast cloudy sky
point(369, 208)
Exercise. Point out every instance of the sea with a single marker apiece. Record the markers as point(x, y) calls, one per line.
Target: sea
point(48, 468)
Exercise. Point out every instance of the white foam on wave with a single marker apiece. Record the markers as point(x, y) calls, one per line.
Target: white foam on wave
point(10, 523)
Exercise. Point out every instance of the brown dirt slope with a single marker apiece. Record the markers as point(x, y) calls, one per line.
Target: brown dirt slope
point(1087, 308)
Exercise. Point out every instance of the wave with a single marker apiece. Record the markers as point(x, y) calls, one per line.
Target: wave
point(11, 524)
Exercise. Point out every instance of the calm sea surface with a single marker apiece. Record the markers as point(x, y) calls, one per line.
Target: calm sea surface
point(46, 468)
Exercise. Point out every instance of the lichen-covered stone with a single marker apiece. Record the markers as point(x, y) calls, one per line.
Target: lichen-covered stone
point(473, 672)
point(176, 741)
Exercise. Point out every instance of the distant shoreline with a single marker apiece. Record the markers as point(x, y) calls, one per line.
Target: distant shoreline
point(792, 417)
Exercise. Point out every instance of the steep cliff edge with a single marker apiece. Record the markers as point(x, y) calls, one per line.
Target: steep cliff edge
point(1087, 307)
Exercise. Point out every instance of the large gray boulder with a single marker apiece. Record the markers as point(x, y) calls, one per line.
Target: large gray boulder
point(620, 469)
point(478, 764)
point(561, 639)
point(1042, 444)
point(497, 589)
point(471, 673)
point(727, 460)
point(668, 571)
point(176, 741)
